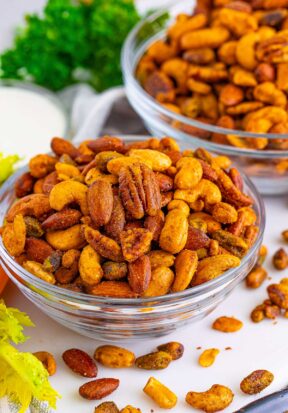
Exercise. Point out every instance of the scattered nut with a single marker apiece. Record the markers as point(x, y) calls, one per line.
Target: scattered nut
point(173, 348)
point(154, 361)
point(227, 324)
point(98, 389)
point(215, 399)
point(106, 407)
point(48, 361)
point(161, 395)
point(80, 362)
point(256, 277)
point(256, 382)
point(114, 357)
point(208, 357)
point(280, 259)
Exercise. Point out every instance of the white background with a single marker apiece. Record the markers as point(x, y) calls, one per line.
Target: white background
point(261, 346)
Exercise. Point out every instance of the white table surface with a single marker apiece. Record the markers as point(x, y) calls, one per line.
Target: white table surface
point(256, 346)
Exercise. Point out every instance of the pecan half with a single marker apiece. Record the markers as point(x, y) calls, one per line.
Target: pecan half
point(135, 243)
point(106, 247)
point(106, 143)
point(139, 190)
point(62, 220)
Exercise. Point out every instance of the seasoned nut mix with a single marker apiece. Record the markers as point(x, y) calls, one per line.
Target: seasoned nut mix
point(227, 324)
point(161, 395)
point(215, 399)
point(114, 357)
point(225, 65)
point(208, 357)
point(256, 381)
point(280, 259)
point(133, 220)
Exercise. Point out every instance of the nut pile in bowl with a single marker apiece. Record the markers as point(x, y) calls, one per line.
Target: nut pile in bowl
point(129, 220)
point(225, 65)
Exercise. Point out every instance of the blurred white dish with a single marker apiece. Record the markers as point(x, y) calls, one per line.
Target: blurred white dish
point(29, 116)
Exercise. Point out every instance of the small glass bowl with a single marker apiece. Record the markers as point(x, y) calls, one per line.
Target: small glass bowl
point(267, 168)
point(127, 319)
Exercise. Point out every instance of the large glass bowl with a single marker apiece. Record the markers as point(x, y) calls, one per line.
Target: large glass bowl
point(267, 168)
point(127, 319)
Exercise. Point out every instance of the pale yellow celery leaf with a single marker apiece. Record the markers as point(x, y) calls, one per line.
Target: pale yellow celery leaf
point(11, 322)
point(22, 377)
point(7, 166)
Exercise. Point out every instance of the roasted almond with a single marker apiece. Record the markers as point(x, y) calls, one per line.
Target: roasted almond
point(80, 362)
point(117, 219)
point(139, 274)
point(196, 239)
point(61, 146)
point(100, 202)
point(114, 357)
point(37, 249)
point(62, 220)
point(106, 143)
point(24, 185)
point(97, 389)
point(49, 182)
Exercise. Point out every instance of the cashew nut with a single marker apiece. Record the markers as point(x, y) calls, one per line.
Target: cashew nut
point(67, 192)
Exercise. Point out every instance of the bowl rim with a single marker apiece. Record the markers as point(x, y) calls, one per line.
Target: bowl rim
point(88, 299)
point(128, 69)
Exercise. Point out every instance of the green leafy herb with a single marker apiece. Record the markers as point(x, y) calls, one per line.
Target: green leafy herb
point(22, 375)
point(73, 41)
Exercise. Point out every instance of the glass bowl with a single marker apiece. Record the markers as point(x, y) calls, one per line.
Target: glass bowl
point(267, 168)
point(127, 319)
